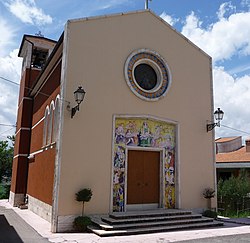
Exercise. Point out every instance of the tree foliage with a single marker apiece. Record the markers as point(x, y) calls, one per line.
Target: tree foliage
point(6, 157)
point(83, 196)
point(233, 191)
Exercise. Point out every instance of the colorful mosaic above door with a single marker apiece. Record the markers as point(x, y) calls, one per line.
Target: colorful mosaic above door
point(143, 132)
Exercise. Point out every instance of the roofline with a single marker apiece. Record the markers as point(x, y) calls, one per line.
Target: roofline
point(136, 12)
point(32, 36)
point(59, 42)
point(233, 138)
point(229, 165)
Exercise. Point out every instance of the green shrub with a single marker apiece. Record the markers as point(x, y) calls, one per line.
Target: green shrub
point(83, 196)
point(210, 214)
point(81, 223)
point(4, 191)
point(231, 192)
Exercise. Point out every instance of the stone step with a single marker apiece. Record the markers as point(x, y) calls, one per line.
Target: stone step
point(140, 225)
point(149, 213)
point(113, 221)
point(150, 229)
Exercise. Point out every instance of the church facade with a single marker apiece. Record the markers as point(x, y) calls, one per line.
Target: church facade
point(139, 139)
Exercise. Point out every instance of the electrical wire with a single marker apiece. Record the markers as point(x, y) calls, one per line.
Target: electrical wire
point(7, 125)
point(6, 131)
point(238, 130)
point(12, 82)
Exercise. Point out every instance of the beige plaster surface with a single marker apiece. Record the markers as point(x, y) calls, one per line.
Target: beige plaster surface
point(96, 51)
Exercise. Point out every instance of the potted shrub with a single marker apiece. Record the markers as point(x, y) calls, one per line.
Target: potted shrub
point(209, 193)
point(83, 196)
point(81, 222)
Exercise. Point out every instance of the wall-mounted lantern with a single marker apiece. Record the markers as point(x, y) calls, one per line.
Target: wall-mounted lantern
point(218, 116)
point(79, 96)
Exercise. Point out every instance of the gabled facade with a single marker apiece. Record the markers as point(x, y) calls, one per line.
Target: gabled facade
point(134, 140)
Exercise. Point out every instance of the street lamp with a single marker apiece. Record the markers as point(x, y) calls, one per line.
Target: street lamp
point(79, 96)
point(218, 115)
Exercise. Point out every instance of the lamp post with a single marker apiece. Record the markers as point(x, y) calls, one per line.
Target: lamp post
point(79, 96)
point(218, 116)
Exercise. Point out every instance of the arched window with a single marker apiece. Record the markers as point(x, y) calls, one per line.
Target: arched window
point(45, 125)
point(50, 122)
point(56, 119)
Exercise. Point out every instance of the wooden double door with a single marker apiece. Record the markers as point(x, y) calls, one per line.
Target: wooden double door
point(143, 178)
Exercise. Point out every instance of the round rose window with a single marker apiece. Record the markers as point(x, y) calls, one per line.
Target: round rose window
point(147, 74)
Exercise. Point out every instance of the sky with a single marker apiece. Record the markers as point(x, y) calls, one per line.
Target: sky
point(220, 28)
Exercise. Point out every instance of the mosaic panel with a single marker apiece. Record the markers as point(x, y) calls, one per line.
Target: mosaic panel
point(142, 132)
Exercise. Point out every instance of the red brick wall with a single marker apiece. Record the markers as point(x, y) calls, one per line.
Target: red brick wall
point(22, 142)
point(41, 169)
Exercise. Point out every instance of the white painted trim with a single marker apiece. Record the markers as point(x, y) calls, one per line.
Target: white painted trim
point(37, 152)
point(112, 167)
point(45, 126)
point(144, 116)
point(38, 122)
point(177, 167)
point(24, 98)
point(126, 179)
point(232, 165)
point(58, 156)
point(22, 128)
point(213, 131)
point(20, 155)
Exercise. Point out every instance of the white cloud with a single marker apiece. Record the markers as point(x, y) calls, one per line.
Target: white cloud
point(101, 5)
point(232, 96)
point(10, 67)
point(223, 39)
point(7, 34)
point(239, 69)
point(226, 7)
point(169, 19)
point(28, 12)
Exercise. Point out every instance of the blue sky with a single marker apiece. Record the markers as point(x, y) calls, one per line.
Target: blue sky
point(220, 28)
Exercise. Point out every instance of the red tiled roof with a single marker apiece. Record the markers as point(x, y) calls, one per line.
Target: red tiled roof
point(223, 140)
point(239, 155)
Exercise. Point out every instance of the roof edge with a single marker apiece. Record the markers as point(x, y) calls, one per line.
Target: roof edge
point(228, 139)
point(136, 12)
point(32, 36)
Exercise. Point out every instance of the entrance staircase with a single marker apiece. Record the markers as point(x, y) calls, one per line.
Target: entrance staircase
point(144, 222)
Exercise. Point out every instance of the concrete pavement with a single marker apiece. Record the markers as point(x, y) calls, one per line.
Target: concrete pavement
point(26, 225)
point(14, 229)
